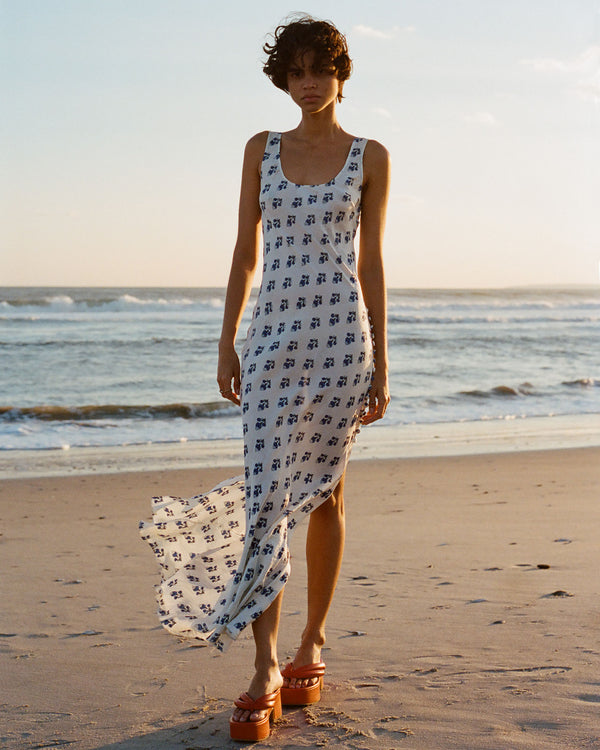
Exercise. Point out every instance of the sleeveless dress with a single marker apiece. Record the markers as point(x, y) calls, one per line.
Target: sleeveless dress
point(306, 369)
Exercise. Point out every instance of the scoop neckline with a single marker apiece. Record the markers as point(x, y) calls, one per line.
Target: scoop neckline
point(314, 184)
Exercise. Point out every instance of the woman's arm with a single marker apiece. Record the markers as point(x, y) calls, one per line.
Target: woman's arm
point(243, 265)
point(370, 269)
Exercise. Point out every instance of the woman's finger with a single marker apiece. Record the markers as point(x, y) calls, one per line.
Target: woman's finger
point(230, 395)
point(233, 397)
point(378, 401)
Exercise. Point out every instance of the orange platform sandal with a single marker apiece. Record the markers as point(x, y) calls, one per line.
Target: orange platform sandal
point(255, 731)
point(302, 696)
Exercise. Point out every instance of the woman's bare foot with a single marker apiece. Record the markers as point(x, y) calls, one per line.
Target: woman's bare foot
point(261, 684)
point(306, 654)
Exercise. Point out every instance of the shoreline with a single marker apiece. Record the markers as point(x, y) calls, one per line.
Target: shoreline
point(378, 441)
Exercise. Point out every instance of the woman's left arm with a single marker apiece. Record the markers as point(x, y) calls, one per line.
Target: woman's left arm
point(376, 170)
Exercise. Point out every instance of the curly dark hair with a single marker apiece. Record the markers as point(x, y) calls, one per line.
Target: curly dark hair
point(301, 35)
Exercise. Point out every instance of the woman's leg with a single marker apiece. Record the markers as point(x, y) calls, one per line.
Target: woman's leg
point(324, 550)
point(267, 678)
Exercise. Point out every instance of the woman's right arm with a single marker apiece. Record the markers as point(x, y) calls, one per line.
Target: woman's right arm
point(243, 265)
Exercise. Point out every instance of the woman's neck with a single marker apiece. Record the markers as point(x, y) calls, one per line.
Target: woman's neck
point(319, 126)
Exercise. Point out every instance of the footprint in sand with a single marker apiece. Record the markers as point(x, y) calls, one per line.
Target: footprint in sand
point(557, 593)
point(85, 632)
point(589, 698)
point(392, 732)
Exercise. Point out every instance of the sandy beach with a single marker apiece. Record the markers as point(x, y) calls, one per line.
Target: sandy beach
point(466, 616)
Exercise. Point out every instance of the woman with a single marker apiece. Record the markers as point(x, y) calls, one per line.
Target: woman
point(314, 367)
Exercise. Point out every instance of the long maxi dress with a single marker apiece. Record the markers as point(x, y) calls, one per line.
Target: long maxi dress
point(306, 369)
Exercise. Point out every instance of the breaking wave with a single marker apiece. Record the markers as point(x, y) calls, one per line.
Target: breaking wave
point(47, 413)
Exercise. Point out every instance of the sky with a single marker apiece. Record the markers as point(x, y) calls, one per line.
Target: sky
point(124, 124)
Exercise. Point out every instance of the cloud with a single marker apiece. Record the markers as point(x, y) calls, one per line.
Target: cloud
point(382, 112)
point(587, 61)
point(372, 33)
point(583, 71)
point(481, 118)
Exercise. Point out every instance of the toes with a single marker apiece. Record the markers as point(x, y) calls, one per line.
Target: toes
point(239, 715)
point(300, 683)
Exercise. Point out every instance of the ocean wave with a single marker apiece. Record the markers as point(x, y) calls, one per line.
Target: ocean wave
point(522, 299)
point(502, 391)
point(527, 389)
point(583, 383)
point(27, 308)
point(473, 303)
point(473, 319)
point(52, 413)
point(207, 341)
point(415, 301)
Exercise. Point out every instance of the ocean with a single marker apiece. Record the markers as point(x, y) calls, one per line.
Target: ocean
point(110, 367)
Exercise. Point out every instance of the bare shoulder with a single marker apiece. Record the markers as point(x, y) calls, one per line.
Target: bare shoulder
point(376, 167)
point(253, 153)
point(257, 144)
point(376, 156)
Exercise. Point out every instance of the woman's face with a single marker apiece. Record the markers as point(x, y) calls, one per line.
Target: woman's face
point(313, 88)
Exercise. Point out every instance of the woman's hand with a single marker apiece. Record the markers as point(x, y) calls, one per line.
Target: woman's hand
point(379, 398)
point(228, 374)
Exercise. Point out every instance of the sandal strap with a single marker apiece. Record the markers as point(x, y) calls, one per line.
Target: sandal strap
point(303, 673)
point(246, 703)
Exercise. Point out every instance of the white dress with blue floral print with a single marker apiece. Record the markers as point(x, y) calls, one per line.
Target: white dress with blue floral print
point(306, 368)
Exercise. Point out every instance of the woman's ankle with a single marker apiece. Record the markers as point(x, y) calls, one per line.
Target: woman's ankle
point(265, 681)
point(312, 639)
point(266, 668)
point(309, 652)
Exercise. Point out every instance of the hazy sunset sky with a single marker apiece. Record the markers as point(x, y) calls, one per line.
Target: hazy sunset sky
point(124, 123)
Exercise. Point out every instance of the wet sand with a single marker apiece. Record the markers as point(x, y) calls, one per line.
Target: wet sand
point(466, 616)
